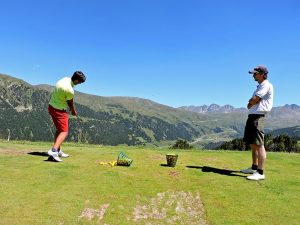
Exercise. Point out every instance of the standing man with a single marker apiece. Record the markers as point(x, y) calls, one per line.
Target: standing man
point(259, 105)
point(61, 98)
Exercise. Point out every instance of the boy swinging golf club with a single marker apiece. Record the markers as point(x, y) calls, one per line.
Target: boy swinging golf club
point(62, 98)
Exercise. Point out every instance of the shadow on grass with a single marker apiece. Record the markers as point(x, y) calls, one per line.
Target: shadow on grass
point(45, 154)
point(217, 170)
point(38, 153)
point(164, 165)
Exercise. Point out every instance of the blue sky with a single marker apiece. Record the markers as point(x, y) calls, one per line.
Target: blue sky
point(175, 52)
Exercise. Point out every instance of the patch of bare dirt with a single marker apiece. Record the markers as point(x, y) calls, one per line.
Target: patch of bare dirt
point(172, 207)
point(156, 157)
point(174, 173)
point(13, 152)
point(91, 214)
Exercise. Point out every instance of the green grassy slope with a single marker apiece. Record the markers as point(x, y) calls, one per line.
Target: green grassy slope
point(134, 105)
point(125, 105)
point(106, 120)
point(290, 131)
point(34, 191)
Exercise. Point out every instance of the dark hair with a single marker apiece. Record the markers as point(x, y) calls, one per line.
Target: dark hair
point(78, 75)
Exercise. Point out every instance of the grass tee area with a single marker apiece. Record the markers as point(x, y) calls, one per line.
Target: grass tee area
point(205, 187)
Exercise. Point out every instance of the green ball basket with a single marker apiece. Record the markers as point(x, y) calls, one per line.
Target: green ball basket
point(124, 160)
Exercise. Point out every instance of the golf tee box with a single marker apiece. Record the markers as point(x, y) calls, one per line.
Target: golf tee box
point(171, 159)
point(124, 160)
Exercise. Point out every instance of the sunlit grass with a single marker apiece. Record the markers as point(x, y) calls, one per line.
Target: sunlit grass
point(35, 191)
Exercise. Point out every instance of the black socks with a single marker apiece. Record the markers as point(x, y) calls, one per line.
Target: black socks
point(261, 172)
point(254, 167)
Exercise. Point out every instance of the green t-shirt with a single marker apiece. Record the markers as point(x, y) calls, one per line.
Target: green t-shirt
point(62, 92)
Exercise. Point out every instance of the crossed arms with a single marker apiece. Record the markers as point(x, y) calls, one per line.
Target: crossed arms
point(253, 101)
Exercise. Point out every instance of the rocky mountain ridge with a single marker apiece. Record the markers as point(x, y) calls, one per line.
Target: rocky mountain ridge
point(215, 108)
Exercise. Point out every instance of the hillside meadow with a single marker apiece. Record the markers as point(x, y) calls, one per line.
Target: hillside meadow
point(204, 187)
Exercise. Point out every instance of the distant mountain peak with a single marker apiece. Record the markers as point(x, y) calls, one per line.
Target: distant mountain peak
point(213, 108)
point(292, 106)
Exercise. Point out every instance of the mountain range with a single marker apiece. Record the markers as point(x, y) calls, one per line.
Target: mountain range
point(280, 117)
point(213, 108)
point(124, 120)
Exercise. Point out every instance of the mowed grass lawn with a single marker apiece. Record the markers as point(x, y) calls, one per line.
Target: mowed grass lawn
point(205, 187)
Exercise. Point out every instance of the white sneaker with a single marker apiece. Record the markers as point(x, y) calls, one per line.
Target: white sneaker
point(256, 176)
point(248, 171)
point(62, 154)
point(54, 156)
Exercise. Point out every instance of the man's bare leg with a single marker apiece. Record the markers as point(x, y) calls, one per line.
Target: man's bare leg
point(254, 154)
point(61, 136)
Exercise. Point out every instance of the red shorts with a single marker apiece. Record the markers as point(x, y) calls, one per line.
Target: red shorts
point(60, 119)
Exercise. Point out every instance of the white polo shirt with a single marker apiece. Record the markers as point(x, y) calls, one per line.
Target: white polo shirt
point(265, 92)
